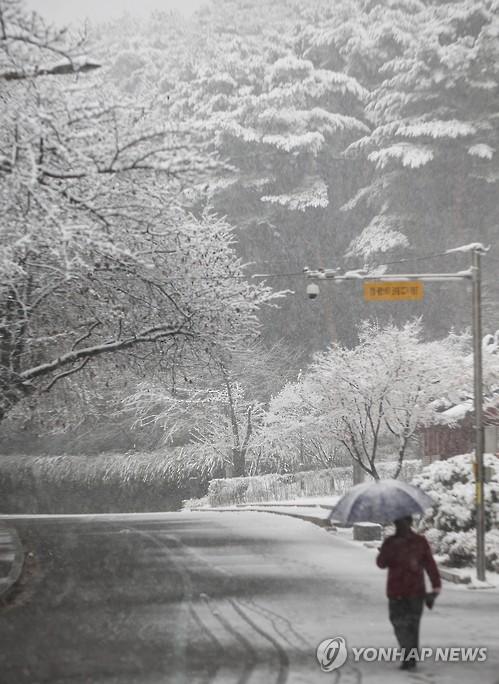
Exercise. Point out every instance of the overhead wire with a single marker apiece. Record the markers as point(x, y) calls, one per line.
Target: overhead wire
point(420, 257)
point(301, 273)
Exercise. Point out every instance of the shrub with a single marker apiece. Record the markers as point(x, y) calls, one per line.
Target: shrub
point(276, 487)
point(107, 483)
point(450, 524)
point(273, 487)
point(410, 468)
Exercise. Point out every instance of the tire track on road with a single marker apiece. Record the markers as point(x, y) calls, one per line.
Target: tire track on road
point(215, 668)
point(274, 619)
point(286, 628)
point(281, 652)
point(223, 615)
point(250, 663)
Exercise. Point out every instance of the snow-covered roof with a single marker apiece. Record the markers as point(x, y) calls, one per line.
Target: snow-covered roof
point(453, 412)
point(459, 411)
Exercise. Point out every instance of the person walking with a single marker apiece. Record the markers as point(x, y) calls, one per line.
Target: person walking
point(407, 555)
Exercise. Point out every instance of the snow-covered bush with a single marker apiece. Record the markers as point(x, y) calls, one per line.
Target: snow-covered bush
point(450, 524)
point(273, 487)
point(227, 491)
point(106, 483)
point(410, 468)
point(278, 487)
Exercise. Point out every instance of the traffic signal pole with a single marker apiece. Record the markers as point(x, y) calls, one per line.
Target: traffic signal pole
point(473, 274)
point(478, 402)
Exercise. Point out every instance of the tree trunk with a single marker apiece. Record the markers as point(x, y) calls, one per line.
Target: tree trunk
point(239, 463)
point(358, 473)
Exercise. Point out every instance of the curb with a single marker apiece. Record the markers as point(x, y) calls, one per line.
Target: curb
point(11, 549)
point(446, 573)
point(277, 504)
point(321, 522)
point(454, 577)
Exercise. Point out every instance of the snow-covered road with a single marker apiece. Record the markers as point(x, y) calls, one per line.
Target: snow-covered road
point(217, 597)
point(340, 592)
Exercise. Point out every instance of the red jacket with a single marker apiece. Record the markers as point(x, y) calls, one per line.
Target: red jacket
point(406, 558)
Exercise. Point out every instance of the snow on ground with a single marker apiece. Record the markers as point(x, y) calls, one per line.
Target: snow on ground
point(302, 585)
point(320, 507)
point(330, 501)
point(285, 509)
point(492, 580)
point(340, 592)
point(316, 506)
point(303, 501)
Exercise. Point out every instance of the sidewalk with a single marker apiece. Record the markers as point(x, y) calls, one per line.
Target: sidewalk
point(11, 559)
point(318, 511)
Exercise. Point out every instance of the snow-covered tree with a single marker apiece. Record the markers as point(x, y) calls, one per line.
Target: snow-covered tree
point(430, 69)
point(99, 255)
point(216, 412)
point(434, 135)
point(278, 119)
point(279, 90)
point(30, 48)
point(372, 398)
point(291, 433)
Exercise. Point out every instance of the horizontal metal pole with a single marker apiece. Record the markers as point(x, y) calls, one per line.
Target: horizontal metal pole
point(427, 277)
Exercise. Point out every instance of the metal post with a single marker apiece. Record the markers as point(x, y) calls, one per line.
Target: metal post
point(478, 401)
point(474, 274)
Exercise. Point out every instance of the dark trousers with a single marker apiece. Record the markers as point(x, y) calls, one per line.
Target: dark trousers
point(405, 616)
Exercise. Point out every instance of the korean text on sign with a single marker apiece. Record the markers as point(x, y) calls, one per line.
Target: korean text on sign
point(382, 291)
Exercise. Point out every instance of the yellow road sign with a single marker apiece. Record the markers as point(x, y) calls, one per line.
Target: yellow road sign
point(396, 291)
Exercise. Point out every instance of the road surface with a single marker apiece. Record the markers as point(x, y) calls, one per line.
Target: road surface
point(214, 598)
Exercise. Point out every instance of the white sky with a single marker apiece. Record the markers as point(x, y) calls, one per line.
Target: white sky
point(68, 11)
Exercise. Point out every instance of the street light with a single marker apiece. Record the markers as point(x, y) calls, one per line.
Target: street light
point(473, 274)
point(478, 405)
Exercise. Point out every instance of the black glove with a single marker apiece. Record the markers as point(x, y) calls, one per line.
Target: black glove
point(430, 599)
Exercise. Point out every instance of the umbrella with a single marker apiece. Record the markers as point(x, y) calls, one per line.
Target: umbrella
point(380, 501)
